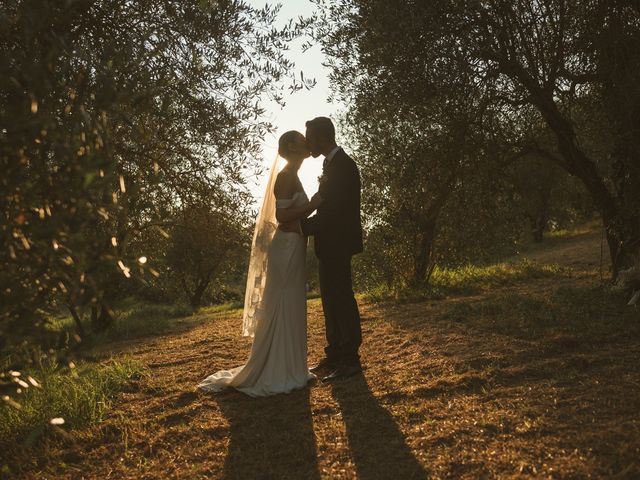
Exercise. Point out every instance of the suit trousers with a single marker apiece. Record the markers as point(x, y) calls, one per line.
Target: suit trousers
point(341, 315)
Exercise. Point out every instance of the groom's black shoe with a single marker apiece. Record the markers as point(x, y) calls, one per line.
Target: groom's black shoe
point(343, 371)
point(325, 364)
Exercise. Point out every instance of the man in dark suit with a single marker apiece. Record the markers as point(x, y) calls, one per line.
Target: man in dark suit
point(337, 232)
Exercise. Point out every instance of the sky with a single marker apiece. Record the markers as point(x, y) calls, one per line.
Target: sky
point(300, 106)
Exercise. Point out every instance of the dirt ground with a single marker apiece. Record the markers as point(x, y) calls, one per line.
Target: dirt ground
point(438, 399)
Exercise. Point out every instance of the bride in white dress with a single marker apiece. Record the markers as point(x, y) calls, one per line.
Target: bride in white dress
point(275, 310)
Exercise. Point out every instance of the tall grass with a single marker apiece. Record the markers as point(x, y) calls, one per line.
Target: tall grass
point(80, 396)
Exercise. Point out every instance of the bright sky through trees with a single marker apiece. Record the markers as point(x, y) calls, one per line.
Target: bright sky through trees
point(300, 106)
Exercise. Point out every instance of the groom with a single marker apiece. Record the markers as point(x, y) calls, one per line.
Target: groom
point(337, 232)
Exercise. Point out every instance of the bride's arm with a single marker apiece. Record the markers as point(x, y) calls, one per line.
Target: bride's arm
point(284, 215)
point(285, 189)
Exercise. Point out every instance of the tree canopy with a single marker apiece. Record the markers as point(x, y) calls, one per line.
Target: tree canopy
point(115, 117)
point(457, 94)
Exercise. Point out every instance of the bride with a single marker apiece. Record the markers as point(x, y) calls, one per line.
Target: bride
point(275, 309)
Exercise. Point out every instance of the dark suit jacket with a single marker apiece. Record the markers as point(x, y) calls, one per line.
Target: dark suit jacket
point(336, 226)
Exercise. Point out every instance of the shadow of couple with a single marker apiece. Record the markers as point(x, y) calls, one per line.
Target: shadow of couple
point(274, 437)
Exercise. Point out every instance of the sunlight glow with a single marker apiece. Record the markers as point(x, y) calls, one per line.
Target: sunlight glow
point(300, 106)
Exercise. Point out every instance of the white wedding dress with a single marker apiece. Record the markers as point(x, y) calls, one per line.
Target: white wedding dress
point(278, 359)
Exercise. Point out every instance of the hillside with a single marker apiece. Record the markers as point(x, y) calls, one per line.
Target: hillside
point(530, 376)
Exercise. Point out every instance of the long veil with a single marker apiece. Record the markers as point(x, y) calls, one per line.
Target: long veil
point(266, 225)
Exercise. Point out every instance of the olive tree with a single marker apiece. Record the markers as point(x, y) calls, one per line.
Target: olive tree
point(112, 114)
point(559, 61)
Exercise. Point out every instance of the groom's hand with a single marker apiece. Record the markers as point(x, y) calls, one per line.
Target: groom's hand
point(316, 201)
point(293, 226)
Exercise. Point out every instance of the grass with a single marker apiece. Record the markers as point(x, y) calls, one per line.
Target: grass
point(534, 375)
point(561, 235)
point(132, 318)
point(221, 308)
point(469, 280)
point(143, 319)
point(491, 392)
point(81, 397)
point(584, 229)
point(581, 312)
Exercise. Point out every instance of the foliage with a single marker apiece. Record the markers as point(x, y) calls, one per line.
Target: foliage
point(113, 115)
point(489, 78)
point(205, 244)
point(547, 196)
point(414, 143)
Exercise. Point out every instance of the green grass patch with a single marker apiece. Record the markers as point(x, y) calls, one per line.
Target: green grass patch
point(145, 319)
point(584, 229)
point(559, 236)
point(221, 308)
point(468, 280)
point(81, 396)
point(314, 300)
point(131, 319)
point(471, 278)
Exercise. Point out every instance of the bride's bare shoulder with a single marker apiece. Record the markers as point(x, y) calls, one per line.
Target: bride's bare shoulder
point(286, 185)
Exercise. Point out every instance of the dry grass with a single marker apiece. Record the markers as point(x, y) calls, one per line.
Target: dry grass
point(538, 378)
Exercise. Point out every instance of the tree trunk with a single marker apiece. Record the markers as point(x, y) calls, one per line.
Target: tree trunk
point(100, 322)
point(196, 297)
point(575, 161)
point(423, 261)
point(538, 224)
point(94, 316)
point(389, 277)
point(604, 201)
point(579, 165)
point(77, 320)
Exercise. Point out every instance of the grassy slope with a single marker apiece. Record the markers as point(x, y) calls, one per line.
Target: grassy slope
point(532, 376)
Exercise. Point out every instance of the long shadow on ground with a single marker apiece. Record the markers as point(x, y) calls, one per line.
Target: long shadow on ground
point(270, 437)
point(378, 446)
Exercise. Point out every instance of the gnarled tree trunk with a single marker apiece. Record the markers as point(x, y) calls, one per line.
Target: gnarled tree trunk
point(423, 257)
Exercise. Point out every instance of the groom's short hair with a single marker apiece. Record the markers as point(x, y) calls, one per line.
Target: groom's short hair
point(323, 126)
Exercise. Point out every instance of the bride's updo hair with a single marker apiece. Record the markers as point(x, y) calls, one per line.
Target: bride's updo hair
point(286, 143)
